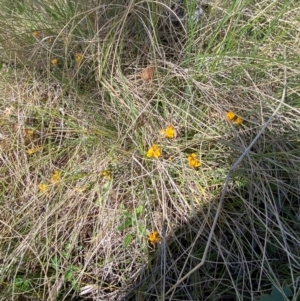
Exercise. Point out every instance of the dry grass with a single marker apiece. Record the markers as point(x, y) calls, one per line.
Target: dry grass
point(78, 194)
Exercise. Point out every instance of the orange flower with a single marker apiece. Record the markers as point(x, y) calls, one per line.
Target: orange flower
point(193, 160)
point(169, 132)
point(233, 118)
point(154, 151)
point(154, 238)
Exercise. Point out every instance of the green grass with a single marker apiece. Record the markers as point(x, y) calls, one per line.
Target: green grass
point(229, 229)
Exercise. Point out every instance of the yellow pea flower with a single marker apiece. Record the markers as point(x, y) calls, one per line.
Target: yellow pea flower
point(36, 34)
point(80, 189)
point(154, 151)
point(55, 177)
point(154, 238)
point(28, 133)
point(42, 187)
point(193, 160)
point(54, 62)
point(34, 150)
point(169, 132)
point(233, 118)
point(238, 120)
point(106, 174)
point(78, 58)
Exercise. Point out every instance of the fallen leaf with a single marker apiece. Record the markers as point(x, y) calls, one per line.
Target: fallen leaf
point(148, 73)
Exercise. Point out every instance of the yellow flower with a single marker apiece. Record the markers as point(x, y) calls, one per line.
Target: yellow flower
point(36, 34)
point(80, 189)
point(55, 177)
point(233, 118)
point(106, 174)
point(34, 150)
point(193, 160)
point(28, 133)
point(238, 120)
point(169, 132)
point(230, 115)
point(154, 238)
point(154, 151)
point(43, 187)
point(78, 58)
point(54, 62)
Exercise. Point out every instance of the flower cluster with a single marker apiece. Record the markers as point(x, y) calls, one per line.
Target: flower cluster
point(154, 151)
point(233, 118)
point(193, 160)
point(43, 187)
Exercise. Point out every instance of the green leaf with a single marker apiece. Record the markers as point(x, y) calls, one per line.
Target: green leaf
point(279, 295)
point(276, 294)
point(55, 262)
point(266, 298)
point(127, 241)
point(139, 210)
point(288, 292)
point(141, 230)
point(127, 224)
point(68, 274)
point(22, 283)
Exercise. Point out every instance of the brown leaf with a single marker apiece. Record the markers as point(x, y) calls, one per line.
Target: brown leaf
point(148, 73)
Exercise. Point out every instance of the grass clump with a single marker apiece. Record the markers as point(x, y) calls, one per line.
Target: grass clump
point(149, 151)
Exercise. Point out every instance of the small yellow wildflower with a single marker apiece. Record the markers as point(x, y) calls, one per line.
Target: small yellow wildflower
point(43, 187)
point(78, 58)
point(34, 150)
point(230, 115)
point(154, 151)
point(238, 120)
point(106, 174)
point(154, 238)
point(54, 62)
point(28, 133)
point(193, 160)
point(36, 34)
point(80, 189)
point(169, 132)
point(55, 177)
point(233, 118)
